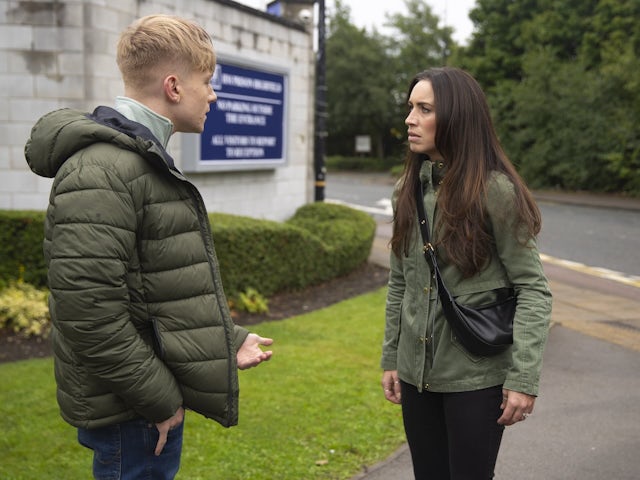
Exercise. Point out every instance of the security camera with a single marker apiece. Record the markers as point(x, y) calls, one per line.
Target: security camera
point(305, 15)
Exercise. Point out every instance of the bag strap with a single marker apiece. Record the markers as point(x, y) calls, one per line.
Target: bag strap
point(427, 246)
point(430, 254)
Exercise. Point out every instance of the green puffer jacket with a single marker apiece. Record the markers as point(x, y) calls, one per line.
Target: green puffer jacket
point(141, 324)
point(418, 341)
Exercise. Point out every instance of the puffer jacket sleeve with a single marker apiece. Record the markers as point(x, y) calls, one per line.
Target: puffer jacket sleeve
point(92, 224)
point(240, 335)
point(521, 260)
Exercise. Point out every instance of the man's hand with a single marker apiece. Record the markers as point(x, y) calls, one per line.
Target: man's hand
point(164, 427)
point(250, 355)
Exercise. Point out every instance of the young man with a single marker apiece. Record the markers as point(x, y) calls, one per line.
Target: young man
point(141, 328)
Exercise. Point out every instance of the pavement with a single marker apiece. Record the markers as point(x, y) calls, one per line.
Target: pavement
point(586, 423)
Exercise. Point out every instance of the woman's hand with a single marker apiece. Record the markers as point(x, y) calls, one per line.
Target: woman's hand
point(391, 386)
point(516, 407)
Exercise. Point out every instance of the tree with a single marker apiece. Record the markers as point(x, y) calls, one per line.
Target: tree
point(495, 51)
point(557, 124)
point(417, 41)
point(613, 45)
point(559, 26)
point(358, 84)
point(562, 77)
point(368, 73)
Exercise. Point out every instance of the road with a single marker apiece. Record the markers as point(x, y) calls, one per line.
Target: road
point(591, 239)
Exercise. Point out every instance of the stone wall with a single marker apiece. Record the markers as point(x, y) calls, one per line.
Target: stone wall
point(57, 54)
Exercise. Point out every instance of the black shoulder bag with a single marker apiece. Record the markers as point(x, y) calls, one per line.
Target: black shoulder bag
point(483, 331)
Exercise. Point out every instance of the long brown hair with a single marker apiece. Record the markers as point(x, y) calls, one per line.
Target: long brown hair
point(466, 139)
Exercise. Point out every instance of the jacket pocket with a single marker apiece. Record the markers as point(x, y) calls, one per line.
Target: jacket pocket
point(470, 356)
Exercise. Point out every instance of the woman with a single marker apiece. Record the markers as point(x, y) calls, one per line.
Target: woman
point(483, 223)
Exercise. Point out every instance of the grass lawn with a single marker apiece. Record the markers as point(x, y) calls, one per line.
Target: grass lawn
point(315, 411)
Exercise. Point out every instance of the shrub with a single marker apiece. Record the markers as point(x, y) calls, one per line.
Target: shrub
point(21, 234)
point(23, 309)
point(261, 253)
point(319, 242)
point(346, 233)
point(250, 301)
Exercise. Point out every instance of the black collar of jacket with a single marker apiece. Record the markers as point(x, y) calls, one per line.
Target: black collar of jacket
point(111, 118)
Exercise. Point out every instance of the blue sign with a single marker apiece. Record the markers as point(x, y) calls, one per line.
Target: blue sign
point(274, 8)
point(246, 124)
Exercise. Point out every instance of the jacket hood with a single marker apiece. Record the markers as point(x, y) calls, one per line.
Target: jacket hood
point(62, 133)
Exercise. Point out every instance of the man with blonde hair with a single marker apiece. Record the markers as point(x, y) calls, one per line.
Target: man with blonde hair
point(141, 328)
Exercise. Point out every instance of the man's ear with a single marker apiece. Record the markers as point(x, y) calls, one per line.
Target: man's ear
point(171, 88)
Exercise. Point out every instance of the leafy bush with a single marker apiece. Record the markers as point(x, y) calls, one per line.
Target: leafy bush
point(262, 254)
point(21, 234)
point(250, 301)
point(321, 241)
point(347, 234)
point(23, 309)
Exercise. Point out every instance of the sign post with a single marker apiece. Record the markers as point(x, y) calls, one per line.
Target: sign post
point(321, 108)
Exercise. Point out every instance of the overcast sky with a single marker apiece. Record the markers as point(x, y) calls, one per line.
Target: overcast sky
point(368, 13)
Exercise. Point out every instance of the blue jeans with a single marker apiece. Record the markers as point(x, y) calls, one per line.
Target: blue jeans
point(125, 451)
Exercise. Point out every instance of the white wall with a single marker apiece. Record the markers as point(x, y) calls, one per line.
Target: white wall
point(57, 54)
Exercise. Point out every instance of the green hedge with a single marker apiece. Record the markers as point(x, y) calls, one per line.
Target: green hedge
point(21, 234)
point(321, 241)
point(347, 234)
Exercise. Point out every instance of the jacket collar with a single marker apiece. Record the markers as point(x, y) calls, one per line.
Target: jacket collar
point(161, 127)
point(109, 117)
point(432, 173)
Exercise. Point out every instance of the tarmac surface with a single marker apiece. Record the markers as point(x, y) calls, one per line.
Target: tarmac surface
point(586, 422)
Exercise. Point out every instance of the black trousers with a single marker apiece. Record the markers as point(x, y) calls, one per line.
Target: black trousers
point(452, 436)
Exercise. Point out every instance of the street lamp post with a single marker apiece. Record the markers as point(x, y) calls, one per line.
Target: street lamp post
point(320, 109)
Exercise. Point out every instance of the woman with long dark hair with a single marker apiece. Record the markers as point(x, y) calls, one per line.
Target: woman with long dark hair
point(483, 223)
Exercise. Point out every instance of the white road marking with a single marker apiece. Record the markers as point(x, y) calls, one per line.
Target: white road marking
point(620, 277)
point(386, 211)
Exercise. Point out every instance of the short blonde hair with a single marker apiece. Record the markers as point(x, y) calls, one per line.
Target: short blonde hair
point(157, 40)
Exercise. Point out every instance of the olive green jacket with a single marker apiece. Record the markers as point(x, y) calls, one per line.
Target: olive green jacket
point(418, 341)
point(140, 320)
